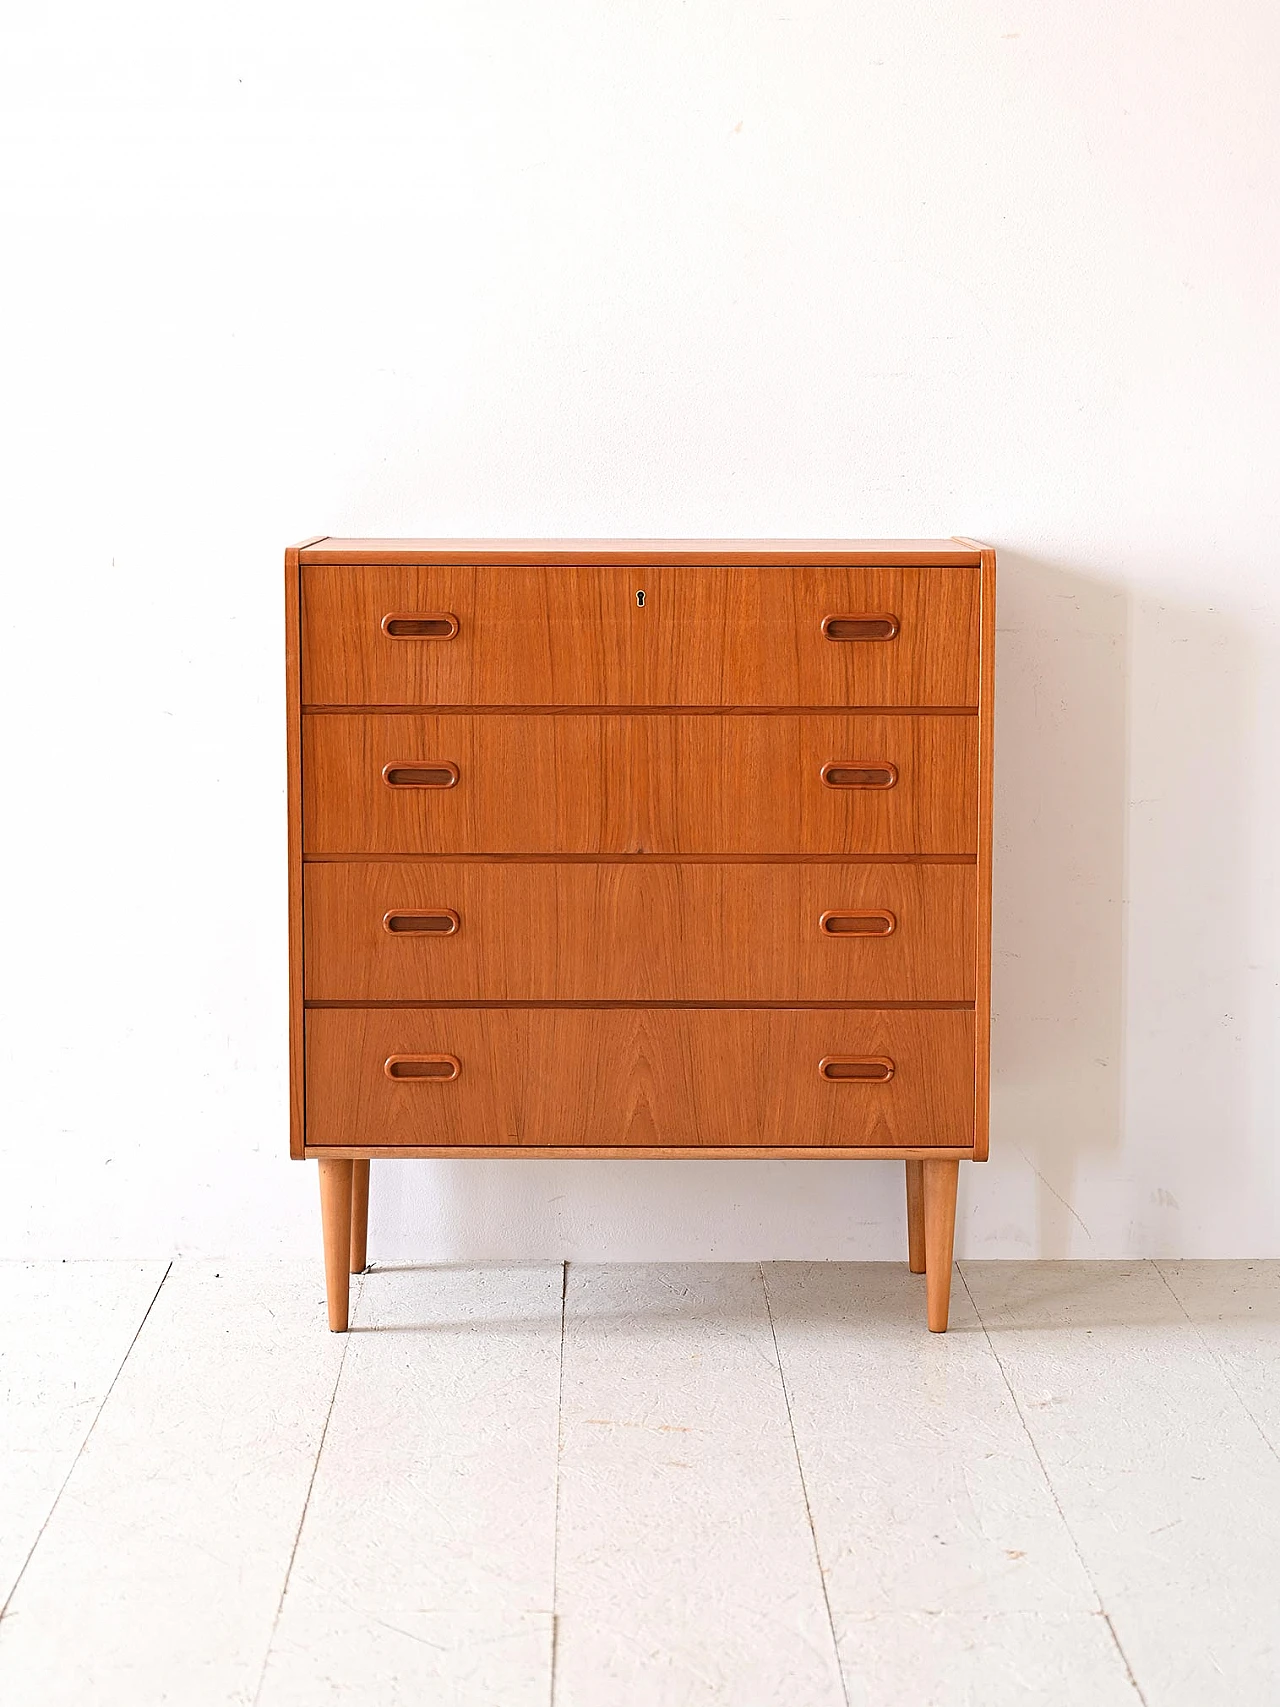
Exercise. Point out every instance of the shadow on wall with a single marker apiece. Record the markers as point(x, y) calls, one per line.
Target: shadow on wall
point(1059, 939)
point(1200, 1086)
point(1121, 924)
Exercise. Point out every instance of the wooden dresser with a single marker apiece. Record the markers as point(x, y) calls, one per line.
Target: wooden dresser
point(650, 847)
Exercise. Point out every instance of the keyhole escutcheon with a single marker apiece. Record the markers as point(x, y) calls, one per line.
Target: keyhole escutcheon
point(640, 600)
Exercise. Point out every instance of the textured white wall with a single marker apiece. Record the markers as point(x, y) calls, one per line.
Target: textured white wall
point(641, 268)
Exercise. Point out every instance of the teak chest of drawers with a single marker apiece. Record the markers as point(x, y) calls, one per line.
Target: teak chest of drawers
point(660, 848)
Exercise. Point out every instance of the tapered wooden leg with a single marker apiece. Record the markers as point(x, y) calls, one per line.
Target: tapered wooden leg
point(335, 1216)
point(940, 1181)
point(915, 1217)
point(359, 1216)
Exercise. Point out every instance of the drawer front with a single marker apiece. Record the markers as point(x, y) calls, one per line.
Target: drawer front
point(639, 1078)
point(647, 931)
point(617, 784)
point(708, 635)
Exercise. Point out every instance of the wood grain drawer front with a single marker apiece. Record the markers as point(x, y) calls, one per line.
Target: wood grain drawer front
point(704, 635)
point(639, 1077)
point(617, 784)
point(644, 932)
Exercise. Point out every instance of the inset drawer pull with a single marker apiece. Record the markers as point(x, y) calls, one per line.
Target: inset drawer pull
point(859, 773)
point(439, 1068)
point(858, 924)
point(440, 625)
point(860, 627)
point(441, 921)
point(856, 1069)
point(420, 776)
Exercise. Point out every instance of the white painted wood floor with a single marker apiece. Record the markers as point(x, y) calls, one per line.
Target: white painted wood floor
point(640, 1487)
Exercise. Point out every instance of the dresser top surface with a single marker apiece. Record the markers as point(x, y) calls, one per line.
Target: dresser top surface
point(947, 553)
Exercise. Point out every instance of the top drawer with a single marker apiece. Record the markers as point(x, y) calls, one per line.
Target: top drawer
point(706, 635)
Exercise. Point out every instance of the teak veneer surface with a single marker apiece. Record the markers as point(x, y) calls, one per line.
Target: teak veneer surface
point(707, 636)
point(639, 1076)
point(986, 844)
point(639, 783)
point(648, 932)
point(293, 825)
point(627, 851)
point(499, 552)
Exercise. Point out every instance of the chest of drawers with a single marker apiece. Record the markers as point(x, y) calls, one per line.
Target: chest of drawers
point(658, 848)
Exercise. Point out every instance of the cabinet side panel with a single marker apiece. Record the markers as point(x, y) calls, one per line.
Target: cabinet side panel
point(293, 738)
point(986, 739)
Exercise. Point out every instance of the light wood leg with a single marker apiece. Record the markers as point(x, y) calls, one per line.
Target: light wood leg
point(359, 1216)
point(335, 1217)
point(915, 1217)
point(940, 1181)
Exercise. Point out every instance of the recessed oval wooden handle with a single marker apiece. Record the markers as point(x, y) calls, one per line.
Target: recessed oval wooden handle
point(858, 924)
point(435, 625)
point(438, 921)
point(859, 773)
point(438, 1068)
point(877, 627)
point(420, 776)
point(857, 1069)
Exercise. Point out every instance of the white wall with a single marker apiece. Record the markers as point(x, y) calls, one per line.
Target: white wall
point(634, 267)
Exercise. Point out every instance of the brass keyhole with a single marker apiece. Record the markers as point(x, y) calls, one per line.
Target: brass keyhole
point(640, 600)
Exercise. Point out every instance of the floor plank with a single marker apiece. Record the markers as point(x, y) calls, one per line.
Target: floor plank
point(1105, 1438)
point(1236, 1310)
point(158, 1576)
point(686, 1566)
point(925, 1491)
point(68, 1326)
point(424, 1570)
point(950, 1573)
point(1172, 1495)
point(1004, 1659)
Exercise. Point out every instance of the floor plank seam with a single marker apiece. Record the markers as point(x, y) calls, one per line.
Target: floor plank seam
point(306, 1500)
point(88, 1435)
point(804, 1489)
point(1053, 1494)
point(1218, 1362)
point(555, 1531)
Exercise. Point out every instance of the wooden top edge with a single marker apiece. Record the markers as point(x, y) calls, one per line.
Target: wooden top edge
point(979, 545)
point(890, 553)
point(633, 1153)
